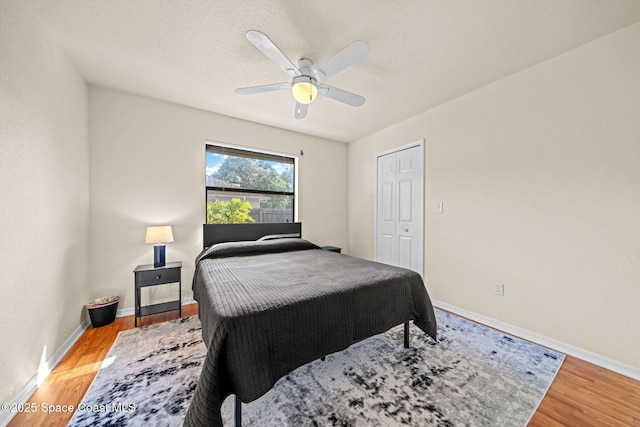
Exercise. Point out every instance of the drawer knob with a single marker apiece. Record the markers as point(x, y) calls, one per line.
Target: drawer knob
point(158, 276)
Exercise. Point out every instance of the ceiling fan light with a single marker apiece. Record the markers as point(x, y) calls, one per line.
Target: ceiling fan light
point(304, 91)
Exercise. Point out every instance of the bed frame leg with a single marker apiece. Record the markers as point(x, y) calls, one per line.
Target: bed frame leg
point(238, 414)
point(406, 334)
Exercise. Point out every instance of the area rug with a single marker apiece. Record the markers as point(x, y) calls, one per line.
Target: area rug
point(473, 376)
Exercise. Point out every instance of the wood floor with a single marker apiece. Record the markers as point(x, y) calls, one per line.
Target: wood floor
point(581, 395)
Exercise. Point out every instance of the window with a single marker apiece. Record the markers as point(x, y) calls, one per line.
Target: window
point(248, 186)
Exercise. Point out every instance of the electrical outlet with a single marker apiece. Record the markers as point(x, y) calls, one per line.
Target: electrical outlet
point(498, 289)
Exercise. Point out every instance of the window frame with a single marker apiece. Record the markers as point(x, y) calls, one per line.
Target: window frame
point(260, 154)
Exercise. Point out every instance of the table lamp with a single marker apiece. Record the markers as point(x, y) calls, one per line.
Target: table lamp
point(159, 235)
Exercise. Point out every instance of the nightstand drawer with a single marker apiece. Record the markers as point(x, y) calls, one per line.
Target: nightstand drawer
point(148, 278)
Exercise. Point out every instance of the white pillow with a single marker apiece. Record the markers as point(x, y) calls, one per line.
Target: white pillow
point(278, 236)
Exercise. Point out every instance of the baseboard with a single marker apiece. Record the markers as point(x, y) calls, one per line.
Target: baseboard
point(588, 356)
point(32, 385)
point(125, 312)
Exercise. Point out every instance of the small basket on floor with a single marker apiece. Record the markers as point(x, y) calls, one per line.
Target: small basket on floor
point(102, 311)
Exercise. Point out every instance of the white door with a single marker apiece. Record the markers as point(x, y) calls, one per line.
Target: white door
point(399, 207)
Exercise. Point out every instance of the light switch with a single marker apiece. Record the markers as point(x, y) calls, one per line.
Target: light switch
point(439, 207)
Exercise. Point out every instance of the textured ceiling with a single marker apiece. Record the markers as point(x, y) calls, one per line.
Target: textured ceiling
point(422, 52)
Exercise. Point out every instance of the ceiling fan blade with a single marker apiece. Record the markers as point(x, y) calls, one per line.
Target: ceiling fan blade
point(351, 54)
point(301, 110)
point(264, 88)
point(271, 51)
point(341, 95)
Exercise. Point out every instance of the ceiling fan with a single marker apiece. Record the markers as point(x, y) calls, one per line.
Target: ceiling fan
point(306, 84)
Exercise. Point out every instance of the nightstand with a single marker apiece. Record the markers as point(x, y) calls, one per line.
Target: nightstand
point(148, 275)
point(331, 248)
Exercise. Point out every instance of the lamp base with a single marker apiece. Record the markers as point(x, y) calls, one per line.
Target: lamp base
point(158, 255)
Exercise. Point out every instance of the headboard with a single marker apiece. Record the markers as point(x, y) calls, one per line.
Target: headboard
point(218, 233)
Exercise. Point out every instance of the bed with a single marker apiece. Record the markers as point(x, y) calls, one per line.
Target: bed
point(269, 306)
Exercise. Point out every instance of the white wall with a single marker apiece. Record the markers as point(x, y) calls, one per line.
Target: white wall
point(44, 197)
point(148, 167)
point(540, 178)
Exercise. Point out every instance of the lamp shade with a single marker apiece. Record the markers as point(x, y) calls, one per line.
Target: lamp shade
point(159, 234)
point(304, 89)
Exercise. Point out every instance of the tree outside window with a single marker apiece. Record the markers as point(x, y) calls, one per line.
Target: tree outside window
point(245, 186)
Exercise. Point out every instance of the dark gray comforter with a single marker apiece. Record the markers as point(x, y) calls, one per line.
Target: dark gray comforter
point(269, 307)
